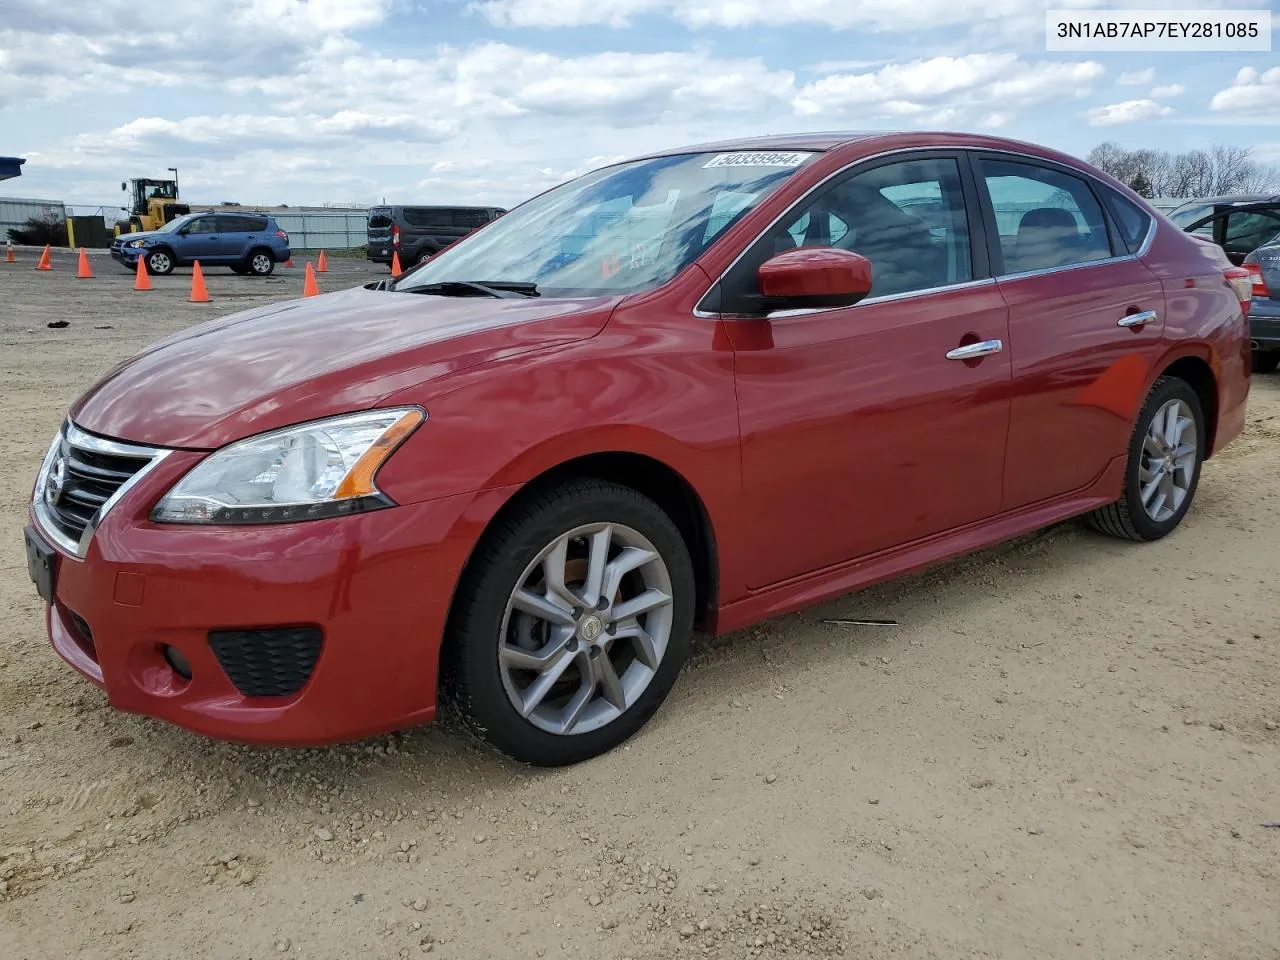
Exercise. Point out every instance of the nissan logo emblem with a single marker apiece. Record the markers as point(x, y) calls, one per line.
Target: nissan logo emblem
point(55, 482)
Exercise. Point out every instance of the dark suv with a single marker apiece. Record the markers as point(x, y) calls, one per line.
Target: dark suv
point(418, 232)
point(1238, 224)
point(245, 242)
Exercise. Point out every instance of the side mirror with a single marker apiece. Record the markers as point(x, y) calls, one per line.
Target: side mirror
point(811, 277)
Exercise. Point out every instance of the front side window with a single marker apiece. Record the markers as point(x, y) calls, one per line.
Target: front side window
point(619, 230)
point(1046, 218)
point(908, 218)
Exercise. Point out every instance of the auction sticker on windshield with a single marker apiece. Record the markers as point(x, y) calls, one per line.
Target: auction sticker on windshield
point(745, 159)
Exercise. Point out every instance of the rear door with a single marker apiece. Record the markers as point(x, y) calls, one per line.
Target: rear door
point(241, 233)
point(378, 232)
point(1085, 323)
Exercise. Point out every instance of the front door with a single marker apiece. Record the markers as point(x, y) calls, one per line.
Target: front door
point(874, 425)
point(203, 241)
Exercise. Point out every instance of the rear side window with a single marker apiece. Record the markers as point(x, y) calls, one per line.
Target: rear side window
point(1132, 221)
point(1046, 218)
point(379, 219)
point(243, 224)
point(426, 217)
point(470, 219)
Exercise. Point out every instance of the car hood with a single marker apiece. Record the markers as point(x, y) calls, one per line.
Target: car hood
point(143, 235)
point(303, 359)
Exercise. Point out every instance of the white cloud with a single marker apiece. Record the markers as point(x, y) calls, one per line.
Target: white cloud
point(877, 15)
point(1170, 90)
point(997, 81)
point(1130, 111)
point(1134, 78)
point(1252, 94)
point(51, 51)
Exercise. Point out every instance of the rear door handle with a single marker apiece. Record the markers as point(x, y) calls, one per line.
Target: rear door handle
point(974, 350)
point(1138, 319)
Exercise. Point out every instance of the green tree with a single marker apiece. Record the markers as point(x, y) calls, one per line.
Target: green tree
point(1141, 185)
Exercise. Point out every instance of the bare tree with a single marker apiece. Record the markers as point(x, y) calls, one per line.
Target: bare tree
point(1221, 169)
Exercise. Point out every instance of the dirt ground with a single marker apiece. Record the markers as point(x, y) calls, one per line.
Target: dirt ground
point(1068, 747)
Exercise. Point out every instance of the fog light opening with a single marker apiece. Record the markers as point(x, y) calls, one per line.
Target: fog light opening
point(180, 665)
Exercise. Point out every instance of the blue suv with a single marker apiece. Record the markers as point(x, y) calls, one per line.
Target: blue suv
point(248, 243)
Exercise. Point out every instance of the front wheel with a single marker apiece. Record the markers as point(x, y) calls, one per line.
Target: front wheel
point(160, 263)
point(571, 624)
point(1165, 454)
point(1266, 362)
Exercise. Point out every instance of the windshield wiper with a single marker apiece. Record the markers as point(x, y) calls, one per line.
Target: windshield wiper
point(502, 289)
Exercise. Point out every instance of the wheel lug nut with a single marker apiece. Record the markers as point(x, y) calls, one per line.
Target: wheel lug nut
point(602, 603)
point(611, 629)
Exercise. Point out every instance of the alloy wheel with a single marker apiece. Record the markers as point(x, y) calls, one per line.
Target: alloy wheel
point(585, 629)
point(1169, 455)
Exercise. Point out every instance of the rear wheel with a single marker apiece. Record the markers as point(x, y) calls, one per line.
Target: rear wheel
point(261, 263)
point(571, 624)
point(160, 262)
point(1267, 362)
point(1165, 455)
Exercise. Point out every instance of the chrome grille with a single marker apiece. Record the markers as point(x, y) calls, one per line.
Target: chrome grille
point(81, 478)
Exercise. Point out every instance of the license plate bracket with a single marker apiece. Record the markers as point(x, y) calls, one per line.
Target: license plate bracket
point(42, 564)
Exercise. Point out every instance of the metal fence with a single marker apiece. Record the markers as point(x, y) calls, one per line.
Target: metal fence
point(15, 212)
point(324, 231)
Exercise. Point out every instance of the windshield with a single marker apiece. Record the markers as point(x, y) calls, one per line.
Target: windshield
point(619, 230)
point(1189, 213)
point(173, 225)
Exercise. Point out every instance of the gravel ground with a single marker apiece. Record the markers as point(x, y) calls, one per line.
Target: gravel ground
point(1067, 748)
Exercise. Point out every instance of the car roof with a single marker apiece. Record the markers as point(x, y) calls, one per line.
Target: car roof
point(818, 142)
point(833, 140)
point(1230, 199)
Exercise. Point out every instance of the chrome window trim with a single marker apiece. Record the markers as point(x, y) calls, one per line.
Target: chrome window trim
point(74, 436)
point(1142, 251)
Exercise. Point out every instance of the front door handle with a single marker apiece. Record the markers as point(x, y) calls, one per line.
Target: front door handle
point(1138, 319)
point(974, 350)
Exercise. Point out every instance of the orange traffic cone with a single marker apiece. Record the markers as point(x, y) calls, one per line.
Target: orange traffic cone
point(289, 262)
point(8, 253)
point(395, 264)
point(309, 288)
point(142, 281)
point(199, 292)
point(83, 270)
point(322, 266)
point(44, 263)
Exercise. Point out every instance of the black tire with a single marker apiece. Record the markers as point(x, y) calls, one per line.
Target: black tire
point(161, 261)
point(1266, 362)
point(419, 257)
point(471, 678)
point(260, 262)
point(1127, 518)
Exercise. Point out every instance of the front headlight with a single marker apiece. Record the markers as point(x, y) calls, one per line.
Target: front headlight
point(315, 470)
point(138, 243)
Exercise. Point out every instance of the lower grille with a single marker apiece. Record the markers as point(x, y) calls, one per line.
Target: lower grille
point(268, 663)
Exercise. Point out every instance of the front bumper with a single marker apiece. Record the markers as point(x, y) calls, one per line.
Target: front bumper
point(377, 586)
point(1264, 324)
point(127, 255)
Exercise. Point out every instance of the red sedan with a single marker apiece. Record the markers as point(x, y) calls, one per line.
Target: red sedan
point(692, 390)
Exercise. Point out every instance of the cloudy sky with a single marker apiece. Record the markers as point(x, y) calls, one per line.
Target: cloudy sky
point(310, 101)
